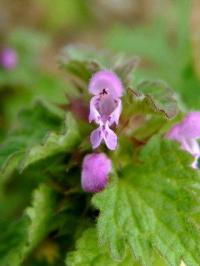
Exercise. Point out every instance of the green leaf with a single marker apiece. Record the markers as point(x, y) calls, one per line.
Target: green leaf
point(158, 97)
point(33, 125)
point(153, 205)
point(125, 68)
point(54, 143)
point(89, 253)
point(147, 106)
point(18, 240)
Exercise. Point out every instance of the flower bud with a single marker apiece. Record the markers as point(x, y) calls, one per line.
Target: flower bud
point(95, 172)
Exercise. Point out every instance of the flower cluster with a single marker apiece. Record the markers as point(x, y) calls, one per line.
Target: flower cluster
point(187, 134)
point(105, 110)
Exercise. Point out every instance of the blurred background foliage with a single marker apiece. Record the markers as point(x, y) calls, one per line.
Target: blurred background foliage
point(165, 34)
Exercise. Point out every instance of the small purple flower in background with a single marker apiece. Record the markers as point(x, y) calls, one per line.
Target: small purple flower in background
point(105, 107)
point(95, 172)
point(187, 133)
point(8, 58)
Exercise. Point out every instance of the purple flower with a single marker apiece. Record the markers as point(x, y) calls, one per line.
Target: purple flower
point(187, 133)
point(105, 107)
point(8, 58)
point(95, 172)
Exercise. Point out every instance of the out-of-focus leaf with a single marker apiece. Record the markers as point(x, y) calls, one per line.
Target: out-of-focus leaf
point(28, 46)
point(125, 69)
point(18, 240)
point(80, 64)
point(64, 14)
point(141, 41)
point(152, 206)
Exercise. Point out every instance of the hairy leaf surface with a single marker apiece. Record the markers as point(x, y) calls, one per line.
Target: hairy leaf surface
point(39, 135)
point(152, 206)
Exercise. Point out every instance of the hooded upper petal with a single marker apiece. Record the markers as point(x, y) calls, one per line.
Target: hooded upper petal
point(106, 80)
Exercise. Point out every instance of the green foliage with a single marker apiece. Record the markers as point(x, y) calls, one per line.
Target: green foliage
point(26, 145)
point(152, 97)
point(151, 206)
point(29, 79)
point(148, 215)
point(55, 143)
point(27, 45)
point(19, 240)
point(24, 136)
point(89, 253)
point(68, 14)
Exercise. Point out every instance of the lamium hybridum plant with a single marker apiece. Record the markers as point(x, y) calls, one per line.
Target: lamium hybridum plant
point(109, 169)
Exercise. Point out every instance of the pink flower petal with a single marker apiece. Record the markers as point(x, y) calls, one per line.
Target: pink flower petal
point(110, 139)
point(114, 117)
point(186, 133)
point(94, 114)
point(191, 125)
point(107, 80)
point(96, 138)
